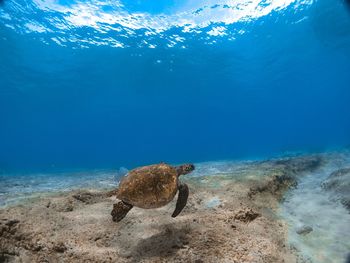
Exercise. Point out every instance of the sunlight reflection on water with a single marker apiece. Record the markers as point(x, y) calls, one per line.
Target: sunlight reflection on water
point(113, 23)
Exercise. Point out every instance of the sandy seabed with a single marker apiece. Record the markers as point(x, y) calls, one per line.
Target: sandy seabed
point(228, 218)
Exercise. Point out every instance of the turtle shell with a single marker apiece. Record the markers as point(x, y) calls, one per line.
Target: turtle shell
point(150, 186)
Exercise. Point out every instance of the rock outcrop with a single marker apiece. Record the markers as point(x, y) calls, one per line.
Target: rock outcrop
point(338, 183)
point(284, 175)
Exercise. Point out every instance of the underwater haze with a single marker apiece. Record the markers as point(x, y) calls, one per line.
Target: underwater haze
point(103, 84)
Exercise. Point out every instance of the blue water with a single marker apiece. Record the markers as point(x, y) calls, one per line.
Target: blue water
point(103, 84)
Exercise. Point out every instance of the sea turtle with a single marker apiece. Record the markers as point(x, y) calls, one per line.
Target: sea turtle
point(151, 186)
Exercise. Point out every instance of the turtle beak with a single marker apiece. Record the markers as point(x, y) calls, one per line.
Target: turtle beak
point(188, 168)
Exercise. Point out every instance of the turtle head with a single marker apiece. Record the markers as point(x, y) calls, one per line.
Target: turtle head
point(184, 169)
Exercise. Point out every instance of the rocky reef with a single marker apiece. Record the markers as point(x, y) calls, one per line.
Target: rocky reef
point(229, 218)
point(338, 183)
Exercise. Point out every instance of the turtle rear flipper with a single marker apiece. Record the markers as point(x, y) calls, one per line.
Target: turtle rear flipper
point(181, 199)
point(120, 210)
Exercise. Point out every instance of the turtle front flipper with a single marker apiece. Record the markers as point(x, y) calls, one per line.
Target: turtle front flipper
point(181, 199)
point(120, 210)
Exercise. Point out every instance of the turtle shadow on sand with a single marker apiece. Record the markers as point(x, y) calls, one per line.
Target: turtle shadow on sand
point(163, 244)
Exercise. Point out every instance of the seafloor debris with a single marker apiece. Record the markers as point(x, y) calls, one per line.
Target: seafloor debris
point(60, 247)
point(246, 215)
point(88, 197)
point(303, 230)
